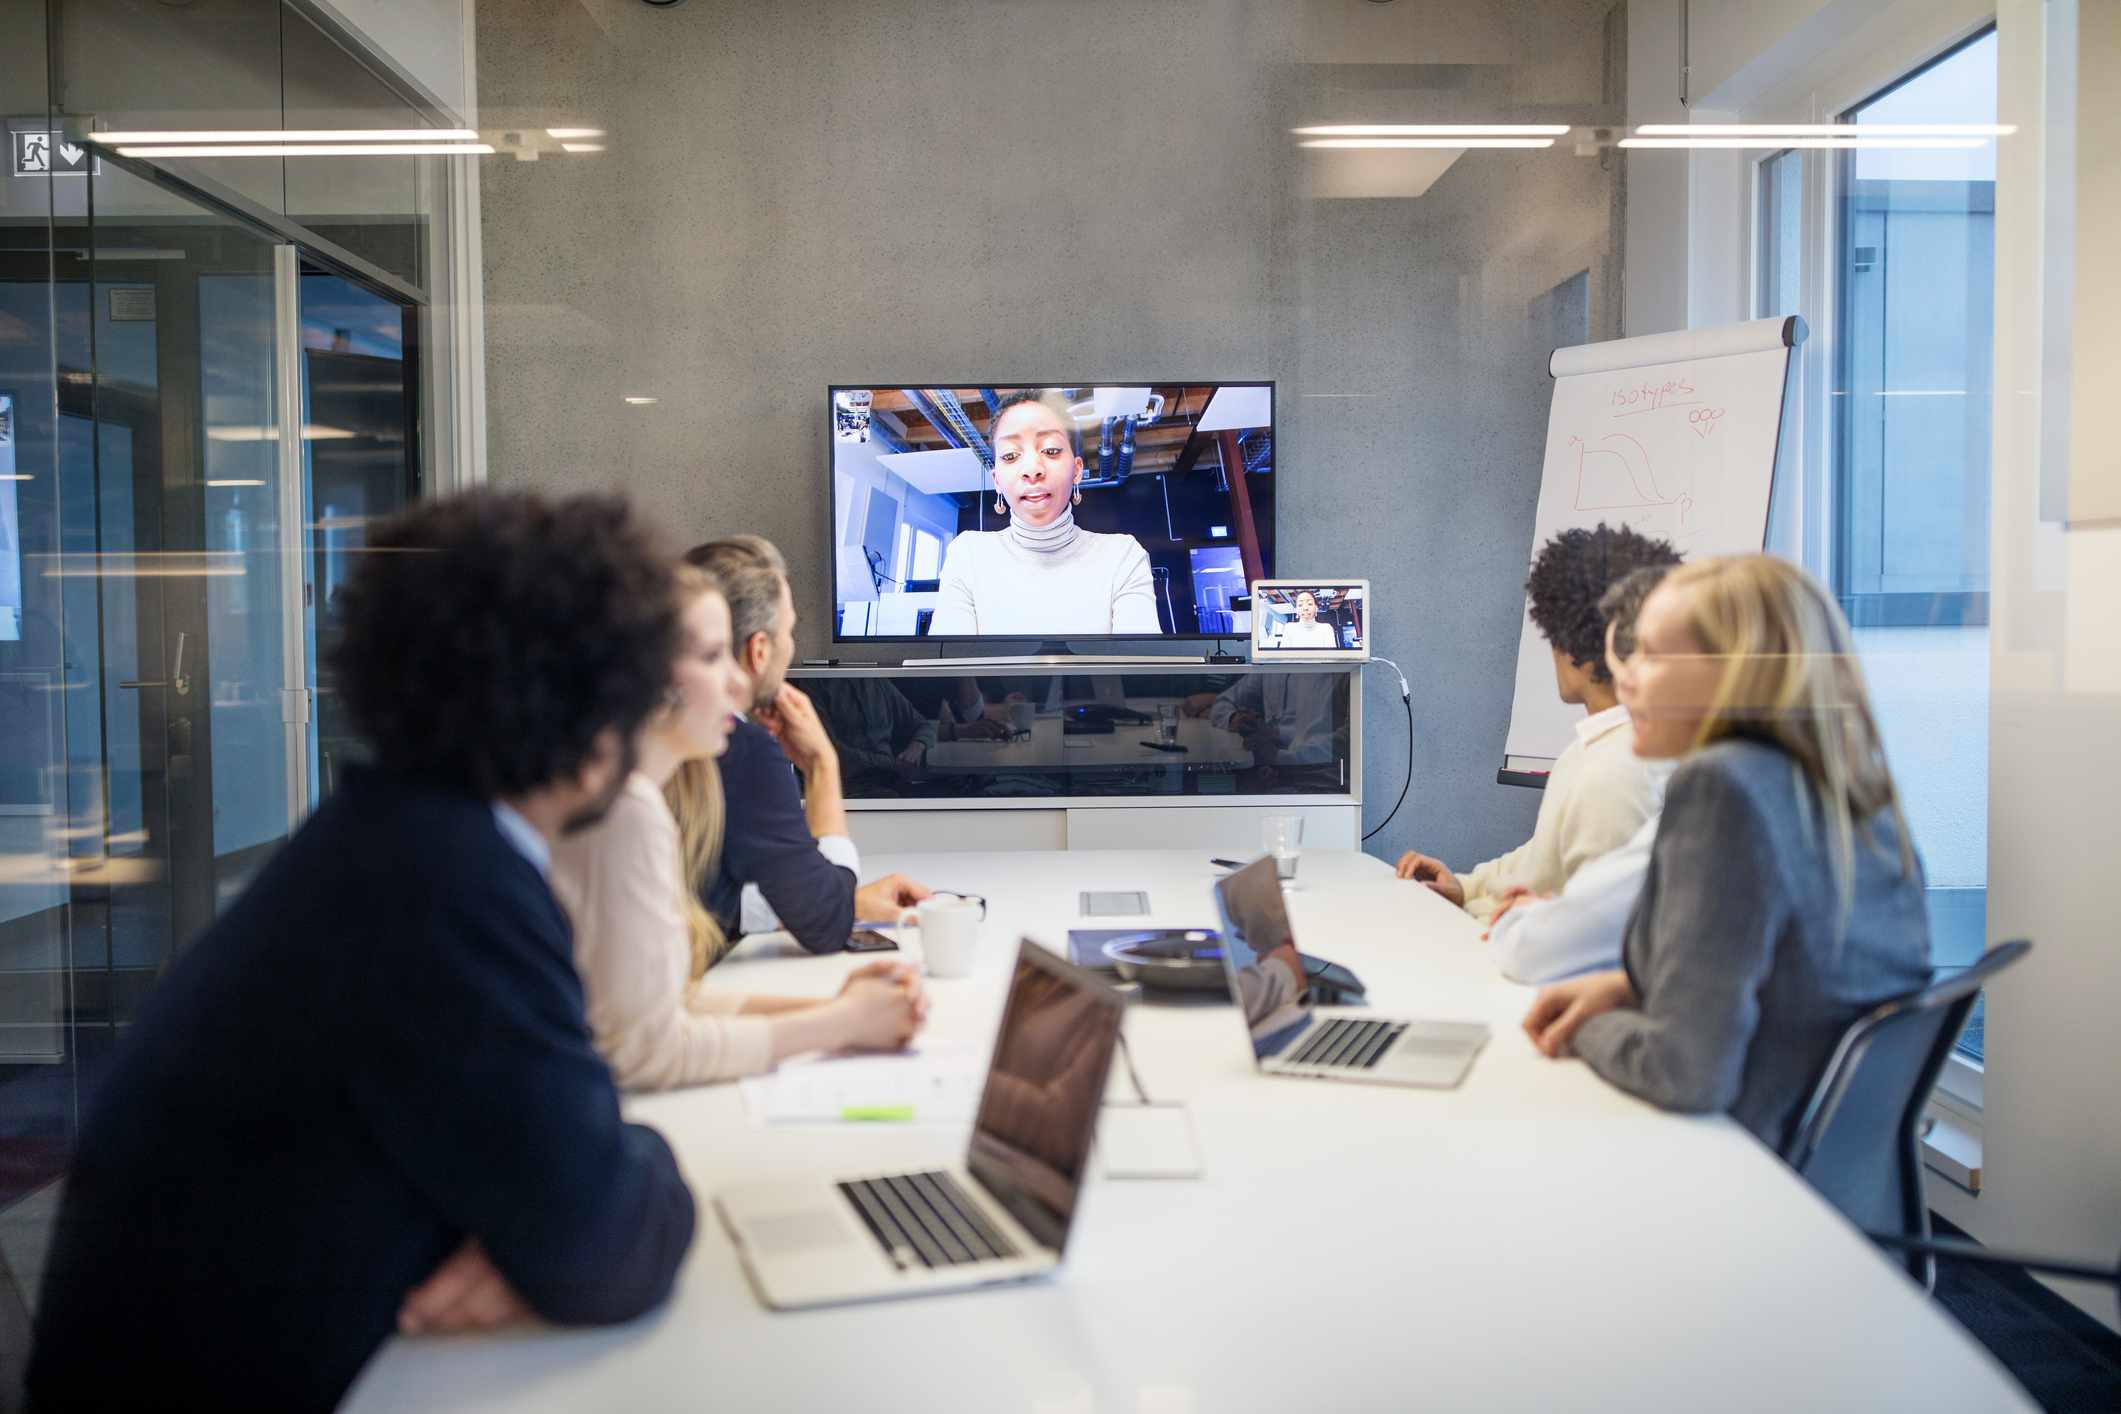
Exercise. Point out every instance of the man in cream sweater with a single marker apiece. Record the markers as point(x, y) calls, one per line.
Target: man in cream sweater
point(1600, 792)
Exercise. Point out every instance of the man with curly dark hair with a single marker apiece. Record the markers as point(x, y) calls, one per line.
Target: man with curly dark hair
point(366, 1099)
point(1599, 792)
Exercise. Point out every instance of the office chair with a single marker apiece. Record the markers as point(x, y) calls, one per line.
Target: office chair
point(1952, 1249)
point(14, 1340)
point(1859, 1141)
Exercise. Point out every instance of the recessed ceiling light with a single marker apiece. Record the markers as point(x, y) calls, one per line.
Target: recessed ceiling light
point(574, 132)
point(581, 147)
point(640, 400)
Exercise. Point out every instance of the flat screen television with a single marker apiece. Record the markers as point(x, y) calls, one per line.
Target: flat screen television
point(955, 510)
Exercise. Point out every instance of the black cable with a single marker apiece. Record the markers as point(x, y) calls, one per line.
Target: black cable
point(1408, 703)
point(1126, 1054)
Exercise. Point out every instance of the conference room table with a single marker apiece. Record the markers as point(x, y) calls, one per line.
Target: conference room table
point(1533, 1239)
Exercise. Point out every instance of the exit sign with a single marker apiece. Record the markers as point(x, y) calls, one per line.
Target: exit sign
point(40, 152)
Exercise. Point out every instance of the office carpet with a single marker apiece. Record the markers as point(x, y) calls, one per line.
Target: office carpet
point(2066, 1360)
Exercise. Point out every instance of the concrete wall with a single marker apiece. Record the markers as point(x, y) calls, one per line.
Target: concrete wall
point(926, 191)
point(430, 40)
point(2051, 1149)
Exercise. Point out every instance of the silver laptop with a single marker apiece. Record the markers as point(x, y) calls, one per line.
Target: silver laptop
point(1001, 1215)
point(1292, 1036)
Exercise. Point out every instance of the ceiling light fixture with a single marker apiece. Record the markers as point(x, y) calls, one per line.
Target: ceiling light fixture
point(1451, 143)
point(350, 149)
point(581, 147)
point(1435, 130)
point(1769, 140)
point(311, 432)
point(1826, 129)
point(231, 481)
point(118, 139)
point(640, 400)
point(574, 132)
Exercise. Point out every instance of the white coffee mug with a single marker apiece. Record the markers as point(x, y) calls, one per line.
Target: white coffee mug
point(1022, 716)
point(948, 936)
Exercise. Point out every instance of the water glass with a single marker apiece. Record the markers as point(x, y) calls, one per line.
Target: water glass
point(1283, 837)
point(1167, 725)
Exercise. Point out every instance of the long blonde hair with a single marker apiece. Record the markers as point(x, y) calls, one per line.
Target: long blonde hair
point(1790, 678)
point(695, 798)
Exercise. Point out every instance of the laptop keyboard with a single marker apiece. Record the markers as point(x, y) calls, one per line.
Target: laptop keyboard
point(1348, 1045)
point(926, 1219)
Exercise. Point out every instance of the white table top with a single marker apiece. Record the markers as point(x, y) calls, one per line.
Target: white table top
point(1532, 1240)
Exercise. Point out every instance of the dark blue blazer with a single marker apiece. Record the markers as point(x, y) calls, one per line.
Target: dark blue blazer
point(378, 1051)
point(767, 841)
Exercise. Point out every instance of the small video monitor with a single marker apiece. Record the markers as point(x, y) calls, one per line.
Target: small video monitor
point(1310, 621)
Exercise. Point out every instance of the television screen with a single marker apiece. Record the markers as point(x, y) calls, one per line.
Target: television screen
point(1050, 513)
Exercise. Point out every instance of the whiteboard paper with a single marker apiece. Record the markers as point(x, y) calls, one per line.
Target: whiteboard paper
point(1672, 434)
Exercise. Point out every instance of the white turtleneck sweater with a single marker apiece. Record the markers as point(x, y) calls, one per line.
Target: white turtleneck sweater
point(1052, 583)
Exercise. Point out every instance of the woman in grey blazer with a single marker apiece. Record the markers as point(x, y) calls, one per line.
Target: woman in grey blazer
point(1783, 897)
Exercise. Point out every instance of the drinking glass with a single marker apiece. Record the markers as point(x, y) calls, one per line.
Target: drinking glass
point(1283, 837)
point(1167, 725)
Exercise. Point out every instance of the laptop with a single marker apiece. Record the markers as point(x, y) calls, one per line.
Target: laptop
point(1293, 1036)
point(1001, 1215)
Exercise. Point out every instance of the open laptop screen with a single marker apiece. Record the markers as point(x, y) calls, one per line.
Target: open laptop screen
point(1031, 1139)
point(1259, 956)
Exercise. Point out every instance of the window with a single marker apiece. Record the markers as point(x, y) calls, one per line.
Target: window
point(1777, 287)
point(1909, 408)
point(1912, 395)
point(927, 555)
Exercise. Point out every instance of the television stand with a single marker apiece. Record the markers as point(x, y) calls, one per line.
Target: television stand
point(1053, 653)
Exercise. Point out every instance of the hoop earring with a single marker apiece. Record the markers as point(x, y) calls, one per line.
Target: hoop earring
point(1001, 507)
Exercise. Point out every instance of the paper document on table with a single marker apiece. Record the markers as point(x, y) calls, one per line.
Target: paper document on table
point(936, 1083)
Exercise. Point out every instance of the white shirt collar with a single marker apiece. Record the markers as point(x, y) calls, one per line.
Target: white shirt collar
point(523, 837)
point(1599, 723)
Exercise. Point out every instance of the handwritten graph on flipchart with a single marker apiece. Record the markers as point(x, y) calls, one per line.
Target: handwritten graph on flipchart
point(1683, 449)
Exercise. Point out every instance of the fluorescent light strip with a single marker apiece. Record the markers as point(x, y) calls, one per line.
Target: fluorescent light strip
point(211, 481)
point(574, 132)
point(311, 432)
point(1927, 144)
point(1435, 130)
point(1826, 129)
point(282, 135)
point(1451, 143)
point(639, 400)
point(351, 149)
point(581, 147)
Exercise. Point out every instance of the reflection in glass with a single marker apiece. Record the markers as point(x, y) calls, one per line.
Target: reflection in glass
point(1259, 950)
point(1009, 733)
point(1039, 1109)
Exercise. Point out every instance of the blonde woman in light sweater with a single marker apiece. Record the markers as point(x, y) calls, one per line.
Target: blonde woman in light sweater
point(642, 941)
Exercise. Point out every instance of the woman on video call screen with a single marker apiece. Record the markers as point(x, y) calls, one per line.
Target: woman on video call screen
point(1046, 513)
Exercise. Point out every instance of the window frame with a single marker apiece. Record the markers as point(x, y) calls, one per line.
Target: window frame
point(1821, 92)
point(1936, 609)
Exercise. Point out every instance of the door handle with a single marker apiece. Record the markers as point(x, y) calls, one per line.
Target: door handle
point(177, 679)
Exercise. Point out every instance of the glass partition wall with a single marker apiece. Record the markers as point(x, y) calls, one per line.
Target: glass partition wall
point(202, 403)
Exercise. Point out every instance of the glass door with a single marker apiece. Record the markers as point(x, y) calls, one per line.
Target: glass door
point(155, 562)
point(360, 381)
